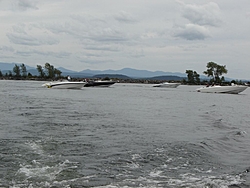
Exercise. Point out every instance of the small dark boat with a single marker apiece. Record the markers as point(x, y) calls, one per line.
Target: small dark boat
point(99, 83)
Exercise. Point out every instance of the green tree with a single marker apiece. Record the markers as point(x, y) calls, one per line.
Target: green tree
point(10, 74)
point(50, 70)
point(40, 71)
point(215, 71)
point(190, 76)
point(30, 75)
point(16, 71)
point(193, 77)
point(57, 72)
point(23, 70)
point(197, 78)
point(106, 78)
point(184, 81)
point(1, 74)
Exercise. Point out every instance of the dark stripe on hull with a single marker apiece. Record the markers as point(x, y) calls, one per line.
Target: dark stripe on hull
point(98, 84)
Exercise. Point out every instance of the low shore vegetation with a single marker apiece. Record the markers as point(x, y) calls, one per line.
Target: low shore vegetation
point(48, 72)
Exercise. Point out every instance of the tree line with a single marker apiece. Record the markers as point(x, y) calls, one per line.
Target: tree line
point(18, 71)
point(47, 71)
point(214, 72)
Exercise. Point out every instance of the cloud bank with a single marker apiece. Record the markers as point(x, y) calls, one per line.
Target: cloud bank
point(161, 35)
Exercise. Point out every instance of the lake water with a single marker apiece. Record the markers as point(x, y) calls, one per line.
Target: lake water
point(128, 135)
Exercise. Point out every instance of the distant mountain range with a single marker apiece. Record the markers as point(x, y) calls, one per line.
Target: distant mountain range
point(125, 73)
point(134, 73)
point(10, 66)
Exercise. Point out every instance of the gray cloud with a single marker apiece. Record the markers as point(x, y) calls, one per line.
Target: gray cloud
point(6, 49)
point(137, 53)
point(27, 34)
point(60, 54)
point(26, 4)
point(62, 27)
point(125, 17)
point(118, 34)
point(102, 47)
point(94, 29)
point(88, 60)
point(201, 18)
point(24, 39)
point(19, 5)
point(248, 14)
point(208, 14)
point(108, 35)
point(193, 32)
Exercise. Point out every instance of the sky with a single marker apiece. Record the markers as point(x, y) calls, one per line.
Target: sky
point(154, 35)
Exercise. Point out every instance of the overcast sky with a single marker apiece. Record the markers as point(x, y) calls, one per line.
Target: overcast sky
point(164, 35)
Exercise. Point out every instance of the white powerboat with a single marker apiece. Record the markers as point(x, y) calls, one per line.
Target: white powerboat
point(233, 89)
point(64, 84)
point(167, 84)
point(99, 83)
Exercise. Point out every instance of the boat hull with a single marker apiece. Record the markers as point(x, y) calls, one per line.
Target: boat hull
point(99, 83)
point(64, 85)
point(222, 89)
point(167, 85)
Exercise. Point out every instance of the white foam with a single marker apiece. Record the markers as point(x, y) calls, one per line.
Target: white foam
point(155, 173)
point(45, 172)
point(136, 156)
point(132, 165)
point(35, 147)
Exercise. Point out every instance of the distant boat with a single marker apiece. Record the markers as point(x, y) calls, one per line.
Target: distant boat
point(233, 89)
point(247, 84)
point(99, 83)
point(167, 85)
point(64, 84)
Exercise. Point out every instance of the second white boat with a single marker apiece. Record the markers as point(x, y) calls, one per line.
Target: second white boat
point(233, 89)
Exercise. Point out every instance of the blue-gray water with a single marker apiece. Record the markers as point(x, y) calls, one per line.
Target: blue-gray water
point(128, 135)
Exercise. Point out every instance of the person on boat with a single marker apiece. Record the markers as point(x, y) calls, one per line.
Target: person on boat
point(69, 78)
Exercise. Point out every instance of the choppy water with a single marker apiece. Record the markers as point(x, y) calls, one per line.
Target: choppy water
point(128, 135)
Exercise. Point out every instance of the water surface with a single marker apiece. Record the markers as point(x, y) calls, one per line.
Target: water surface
point(128, 135)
